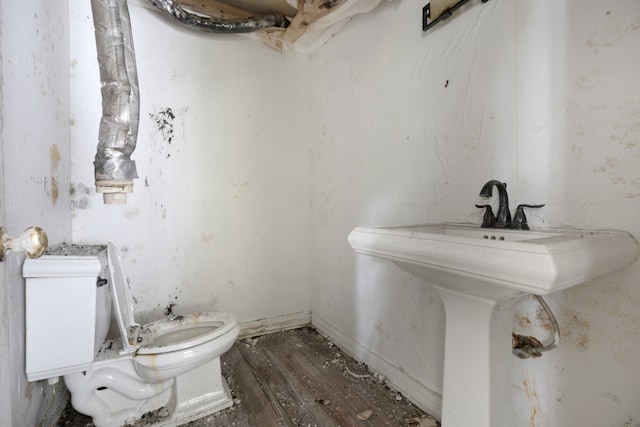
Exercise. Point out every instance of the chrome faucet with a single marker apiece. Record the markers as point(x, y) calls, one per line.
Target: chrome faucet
point(503, 219)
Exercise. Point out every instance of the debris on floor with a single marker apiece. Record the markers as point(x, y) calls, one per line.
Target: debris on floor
point(299, 378)
point(365, 415)
point(423, 421)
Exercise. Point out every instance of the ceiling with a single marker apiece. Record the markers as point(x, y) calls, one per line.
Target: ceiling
point(281, 6)
point(313, 22)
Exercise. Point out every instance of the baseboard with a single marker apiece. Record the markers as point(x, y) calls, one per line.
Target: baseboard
point(421, 396)
point(253, 328)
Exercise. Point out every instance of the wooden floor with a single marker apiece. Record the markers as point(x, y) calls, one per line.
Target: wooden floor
point(298, 378)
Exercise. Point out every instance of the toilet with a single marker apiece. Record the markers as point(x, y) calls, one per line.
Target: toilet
point(170, 367)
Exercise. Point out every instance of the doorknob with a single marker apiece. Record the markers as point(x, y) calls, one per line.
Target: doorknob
point(33, 242)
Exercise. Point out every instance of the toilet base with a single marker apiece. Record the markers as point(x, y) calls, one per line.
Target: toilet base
point(106, 393)
point(207, 393)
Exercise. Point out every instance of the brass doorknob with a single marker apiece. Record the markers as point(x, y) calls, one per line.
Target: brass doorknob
point(33, 242)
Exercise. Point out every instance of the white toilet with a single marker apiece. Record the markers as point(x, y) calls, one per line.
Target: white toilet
point(173, 363)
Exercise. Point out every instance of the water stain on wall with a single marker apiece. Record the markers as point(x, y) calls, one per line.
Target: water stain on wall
point(612, 397)
point(54, 160)
point(214, 302)
point(80, 196)
point(626, 128)
point(543, 319)
point(241, 187)
point(73, 64)
point(615, 26)
point(597, 77)
point(578, 154)
point(131, 214)
point(631, 423)
point(536, 417)
point(630, 186)
point(523, 321)
point(532, 393)
point(575, 331)
point(532, 320)
point(55, 190)
point(28, 390)
point(54, 157)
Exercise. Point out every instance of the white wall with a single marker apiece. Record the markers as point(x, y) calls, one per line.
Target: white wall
point(34, 146)
point(406, 128)
point(220, 217)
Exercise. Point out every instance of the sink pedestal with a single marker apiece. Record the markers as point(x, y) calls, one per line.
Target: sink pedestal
point(477, 358)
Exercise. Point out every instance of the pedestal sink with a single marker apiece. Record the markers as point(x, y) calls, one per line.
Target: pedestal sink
point(477, 273)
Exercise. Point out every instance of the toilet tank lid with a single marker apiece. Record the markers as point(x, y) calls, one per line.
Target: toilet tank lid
point(65, 260)
point(122, 300)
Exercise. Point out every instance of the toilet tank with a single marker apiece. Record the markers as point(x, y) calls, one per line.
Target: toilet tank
point(68, 309)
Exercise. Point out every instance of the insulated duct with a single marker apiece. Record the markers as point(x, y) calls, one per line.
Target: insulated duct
point(114, 169)
point(220, 25)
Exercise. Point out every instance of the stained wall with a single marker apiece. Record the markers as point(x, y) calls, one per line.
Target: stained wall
point(220, 216)
point(35, 156)
point(406, 128)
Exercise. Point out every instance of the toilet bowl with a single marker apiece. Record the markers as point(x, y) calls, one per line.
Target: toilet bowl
point(171, 365)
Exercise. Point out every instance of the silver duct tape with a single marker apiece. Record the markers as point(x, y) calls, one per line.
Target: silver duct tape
point(116, 169)
point(219, 25)
point(120, 95)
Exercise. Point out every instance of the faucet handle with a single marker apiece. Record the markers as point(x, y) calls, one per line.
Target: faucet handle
point(520, 219)
point(489, 219)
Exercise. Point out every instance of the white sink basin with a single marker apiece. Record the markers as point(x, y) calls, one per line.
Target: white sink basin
point(498, 264)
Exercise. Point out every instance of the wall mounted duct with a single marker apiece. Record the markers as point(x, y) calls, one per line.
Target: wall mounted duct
point(220, 25)
point(114, 169)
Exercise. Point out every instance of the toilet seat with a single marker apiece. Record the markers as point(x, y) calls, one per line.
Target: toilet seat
point(165, 335)
point(180, 332)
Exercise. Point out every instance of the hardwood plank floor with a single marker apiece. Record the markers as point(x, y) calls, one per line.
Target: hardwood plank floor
point(299, 378)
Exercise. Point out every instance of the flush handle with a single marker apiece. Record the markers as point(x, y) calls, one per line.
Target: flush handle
point(33, 242)
point(101, 282)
